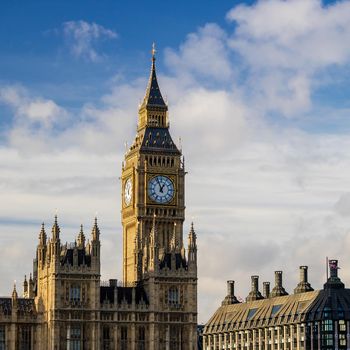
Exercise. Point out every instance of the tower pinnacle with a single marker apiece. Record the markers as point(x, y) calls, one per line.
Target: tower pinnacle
point(153, 109)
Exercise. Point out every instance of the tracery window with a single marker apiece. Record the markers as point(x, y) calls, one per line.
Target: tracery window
point(74, 293)
point(173, 296)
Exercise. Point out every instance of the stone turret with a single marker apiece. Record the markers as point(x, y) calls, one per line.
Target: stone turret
point(192, 248)
point(55, 240)
point(153, 247)
point(81, 238)
point(25, 287)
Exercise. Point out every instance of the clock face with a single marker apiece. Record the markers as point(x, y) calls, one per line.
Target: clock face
point(161, 189)
point(128, 191)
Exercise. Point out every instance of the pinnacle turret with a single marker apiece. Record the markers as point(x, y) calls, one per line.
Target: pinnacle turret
point(42, 235)
point(14, 293)
point(81, 238)
point(55, 230)
point(95, 231)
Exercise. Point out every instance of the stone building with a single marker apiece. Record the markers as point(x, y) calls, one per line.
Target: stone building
point(64, 303)
point(274, 320)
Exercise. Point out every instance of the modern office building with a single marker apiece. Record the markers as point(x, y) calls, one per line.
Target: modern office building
point(274, 320)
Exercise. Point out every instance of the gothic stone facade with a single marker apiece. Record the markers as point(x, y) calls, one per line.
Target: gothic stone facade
point(305, 320)
point(65, 306)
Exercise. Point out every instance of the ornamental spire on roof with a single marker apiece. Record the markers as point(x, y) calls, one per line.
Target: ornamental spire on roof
point(153, 96)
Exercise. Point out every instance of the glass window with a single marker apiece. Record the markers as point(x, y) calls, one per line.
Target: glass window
point(2, 338)
point(74, 338)
point(174, 338)
point(173, 296)
point(25, 338)
point(106, 338)
point(124, 338)
point(251, 313)
point(141, 339)
point(275, 308)
point(342, 326)
point(74, 293)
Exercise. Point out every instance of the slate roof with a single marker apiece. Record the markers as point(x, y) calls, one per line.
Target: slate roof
point(25, 305)
point(83, 258)
point(124, 294)
point(179, 261)
point(158, 139)
point(153, 96)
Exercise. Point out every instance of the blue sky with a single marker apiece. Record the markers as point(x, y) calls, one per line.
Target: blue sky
point(258, 92)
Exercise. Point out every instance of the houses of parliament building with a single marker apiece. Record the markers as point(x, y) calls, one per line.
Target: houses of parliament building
point(64, 304)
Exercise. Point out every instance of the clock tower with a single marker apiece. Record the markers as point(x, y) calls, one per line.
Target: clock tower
point(153, 190)
point(153, 214)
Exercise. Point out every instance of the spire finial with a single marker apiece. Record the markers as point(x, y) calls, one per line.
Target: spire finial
point(154, 51)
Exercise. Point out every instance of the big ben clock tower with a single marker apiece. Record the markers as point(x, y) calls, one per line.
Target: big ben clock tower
point(153, 213)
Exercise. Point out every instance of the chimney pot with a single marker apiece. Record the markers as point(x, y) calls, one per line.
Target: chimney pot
point(303, 274)
point(266, 290)
point(231, 288)
point(278, 278)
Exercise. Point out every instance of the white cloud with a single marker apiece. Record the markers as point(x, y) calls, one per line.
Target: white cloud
point(295, 34)
point(28, 109)
point(203, 53)
point(262, 195)
point(82, 38)
point(286, 47)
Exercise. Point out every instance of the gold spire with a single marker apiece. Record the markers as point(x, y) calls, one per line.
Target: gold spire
point(154, 51)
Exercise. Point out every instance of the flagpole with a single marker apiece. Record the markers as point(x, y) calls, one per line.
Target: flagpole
point(327, 268)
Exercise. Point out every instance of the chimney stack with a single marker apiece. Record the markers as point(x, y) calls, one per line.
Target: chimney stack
point(266, 290)
point(278, 289)
point(230, 297)
point(254, 293)
point(303, 286)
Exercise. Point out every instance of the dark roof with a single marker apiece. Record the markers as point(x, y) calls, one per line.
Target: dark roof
point(179, 261)
point(330, 303)
point(153, 96)
point(83, 258)
point(25, 305)
point(158, 139)
point(124, 294)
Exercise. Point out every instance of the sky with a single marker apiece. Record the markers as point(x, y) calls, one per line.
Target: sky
point(258, 92)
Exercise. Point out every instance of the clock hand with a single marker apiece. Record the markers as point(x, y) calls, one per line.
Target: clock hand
point(160, 186)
